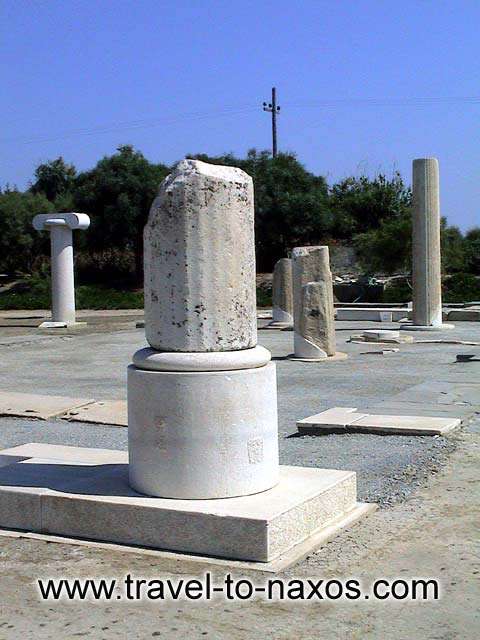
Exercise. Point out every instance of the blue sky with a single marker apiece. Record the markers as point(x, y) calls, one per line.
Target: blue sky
point(364, 86)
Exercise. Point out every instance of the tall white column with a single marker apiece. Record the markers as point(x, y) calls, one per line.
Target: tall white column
point(426, 252)
point(60, 226)
point(202, 410)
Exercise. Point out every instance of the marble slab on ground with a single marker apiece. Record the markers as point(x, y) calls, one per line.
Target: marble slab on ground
point(372, 314)
point(341, 418)
point(389, 407)
point(30, 405)
point(108, 412)
point(70, 491)
point(331, 418)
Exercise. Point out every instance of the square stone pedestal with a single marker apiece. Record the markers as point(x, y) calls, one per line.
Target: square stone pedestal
point(84, 493)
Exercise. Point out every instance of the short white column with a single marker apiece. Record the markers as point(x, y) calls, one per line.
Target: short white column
point(63, 287)
point(60, 226)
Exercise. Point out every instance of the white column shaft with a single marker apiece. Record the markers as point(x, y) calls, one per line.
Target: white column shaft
point(63, 287)
point(427, 281)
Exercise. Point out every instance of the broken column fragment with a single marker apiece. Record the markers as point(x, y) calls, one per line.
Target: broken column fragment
point(314, 322)
point(202, 398)
point(282, 294)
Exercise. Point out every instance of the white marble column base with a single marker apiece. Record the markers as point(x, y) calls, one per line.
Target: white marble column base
point(202, 435)
point(306, 351)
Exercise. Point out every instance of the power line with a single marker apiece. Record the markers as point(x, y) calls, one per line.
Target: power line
point(271, 107)
point(388, 102)
point(132, 125)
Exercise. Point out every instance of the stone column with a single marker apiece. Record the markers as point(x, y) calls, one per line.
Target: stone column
point(426, 264)
point(282, 294)
point(313, 311)
point(202, 399)
point(60, 226)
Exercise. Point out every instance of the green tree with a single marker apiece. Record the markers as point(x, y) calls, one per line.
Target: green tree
point(117, 193)
point(388, 248)
point(291, 204)
point(472, 251)
point(362, 204)
point(20, 244)
point(56, 180)
point(453, 248)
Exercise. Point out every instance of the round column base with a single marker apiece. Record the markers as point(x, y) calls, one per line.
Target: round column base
point(177, 361)
point(279, 325)
point(200, 435)
point(336, 357)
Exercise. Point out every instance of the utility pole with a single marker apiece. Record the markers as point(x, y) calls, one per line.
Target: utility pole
point(272, 108)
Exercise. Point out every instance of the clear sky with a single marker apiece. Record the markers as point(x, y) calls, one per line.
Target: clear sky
point(364, 85)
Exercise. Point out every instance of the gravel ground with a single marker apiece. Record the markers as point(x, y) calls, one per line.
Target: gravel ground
point(389, 468)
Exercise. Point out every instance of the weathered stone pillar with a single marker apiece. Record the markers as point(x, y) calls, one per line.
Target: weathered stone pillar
point(313, 311)
point(60, 226)
point(202, 399)
point(426, 259)
point(282, 294)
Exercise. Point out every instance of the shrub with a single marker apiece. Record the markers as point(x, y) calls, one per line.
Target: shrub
point(461, 287)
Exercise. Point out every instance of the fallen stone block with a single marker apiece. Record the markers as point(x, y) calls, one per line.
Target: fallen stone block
point(372, 314)
point(331, 418)
point(109, 412)
point(383, 352)
point(346, 419)
point(464, 315)
point(381, 337)
point(29, 405)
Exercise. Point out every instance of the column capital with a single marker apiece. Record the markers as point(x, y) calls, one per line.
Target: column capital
point(43, 221)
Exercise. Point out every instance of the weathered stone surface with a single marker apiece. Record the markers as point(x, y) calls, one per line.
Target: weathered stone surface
point(282, 292)
point(112, 412)
point(427, 293)
point(31, 405)
point(200, 261)
point(313, 303)
point(76, 496)
point(202, 404)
